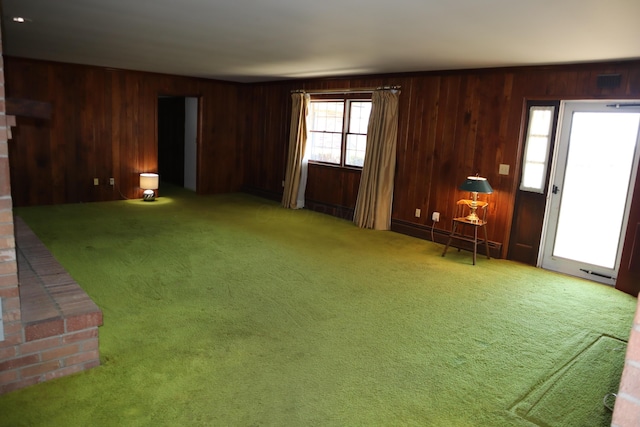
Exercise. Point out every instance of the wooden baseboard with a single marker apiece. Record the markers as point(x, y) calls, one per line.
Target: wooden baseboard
point(419, 231)
point(333, 210)
point(441, 236)
point(265, 194)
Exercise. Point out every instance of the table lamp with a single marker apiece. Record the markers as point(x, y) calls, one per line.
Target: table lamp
point(149, 182)
point(475, 184)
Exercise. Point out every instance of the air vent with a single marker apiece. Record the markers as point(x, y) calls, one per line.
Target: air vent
point(609, 81)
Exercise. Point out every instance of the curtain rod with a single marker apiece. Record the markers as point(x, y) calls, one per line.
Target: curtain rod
point(341, 91)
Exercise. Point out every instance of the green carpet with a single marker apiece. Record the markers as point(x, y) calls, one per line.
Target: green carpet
point(598, 360)
point(231, 311)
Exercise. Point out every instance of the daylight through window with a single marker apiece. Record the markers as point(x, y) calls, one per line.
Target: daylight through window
point(536, 151)
point(338, 131)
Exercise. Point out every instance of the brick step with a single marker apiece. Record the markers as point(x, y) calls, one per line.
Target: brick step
point(59, 320)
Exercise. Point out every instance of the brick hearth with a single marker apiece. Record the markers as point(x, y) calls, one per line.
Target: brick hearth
point(58, 333)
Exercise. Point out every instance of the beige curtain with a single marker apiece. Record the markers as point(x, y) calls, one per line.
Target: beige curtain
point(295, 179)
point(375, 194)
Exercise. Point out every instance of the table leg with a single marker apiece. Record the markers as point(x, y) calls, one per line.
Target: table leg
point(453, 230)
point(486, 242)
point(475, 244)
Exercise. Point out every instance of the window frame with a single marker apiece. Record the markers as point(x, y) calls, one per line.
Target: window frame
point(346, 99)
point(554, 106)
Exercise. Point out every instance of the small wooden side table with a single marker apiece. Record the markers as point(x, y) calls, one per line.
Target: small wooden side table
point(459, 224)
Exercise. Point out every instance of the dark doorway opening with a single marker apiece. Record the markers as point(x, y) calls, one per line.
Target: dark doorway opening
point(171, 122)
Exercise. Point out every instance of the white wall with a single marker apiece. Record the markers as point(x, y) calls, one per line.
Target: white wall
point(190, 142)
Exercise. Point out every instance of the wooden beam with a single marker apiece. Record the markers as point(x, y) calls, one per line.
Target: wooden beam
point(28, 108)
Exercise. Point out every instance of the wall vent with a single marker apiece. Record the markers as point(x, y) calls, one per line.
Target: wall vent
point(609, 81)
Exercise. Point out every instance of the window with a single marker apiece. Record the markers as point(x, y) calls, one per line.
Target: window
point(338, 131)
point(536, 149)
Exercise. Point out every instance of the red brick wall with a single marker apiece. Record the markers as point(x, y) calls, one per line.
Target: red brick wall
point(58, 330)
point(627, 409)
point(8, 265)
point(48, 358)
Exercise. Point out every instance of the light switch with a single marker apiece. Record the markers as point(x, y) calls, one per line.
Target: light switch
point(503, 170)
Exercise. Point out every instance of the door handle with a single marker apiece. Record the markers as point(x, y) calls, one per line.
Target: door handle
point(555, 189)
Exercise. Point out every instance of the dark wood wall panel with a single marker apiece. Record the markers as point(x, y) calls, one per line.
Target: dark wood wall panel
point(628, 279)
point(331, 186)
point(451, 124)
point(261, 124)
point(104, 124)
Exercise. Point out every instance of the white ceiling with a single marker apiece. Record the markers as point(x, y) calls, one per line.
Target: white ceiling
point(261, 40)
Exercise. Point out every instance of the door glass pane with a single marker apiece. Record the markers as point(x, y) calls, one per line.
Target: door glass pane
point(596, 182)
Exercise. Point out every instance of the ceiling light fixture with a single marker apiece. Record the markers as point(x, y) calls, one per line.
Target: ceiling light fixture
point(20, 19)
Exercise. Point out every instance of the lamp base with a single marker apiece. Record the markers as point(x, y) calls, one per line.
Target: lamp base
point(473, 218)
point(148, 196)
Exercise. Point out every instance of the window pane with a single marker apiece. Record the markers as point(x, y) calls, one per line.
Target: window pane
point(533, 175)
point(536, 152)
point(540, 119)
point(356, 147)
point(326, 116)
point(337, 130)
point(359, 116)
point(537, 149)
point(599, 165)
point(324, 147)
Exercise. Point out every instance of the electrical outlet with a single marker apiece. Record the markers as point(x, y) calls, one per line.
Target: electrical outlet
point(418, 212)
point(435, 216)
point(112, 181)
point(96, 181)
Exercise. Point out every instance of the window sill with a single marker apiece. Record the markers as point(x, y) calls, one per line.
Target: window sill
point(333, 166)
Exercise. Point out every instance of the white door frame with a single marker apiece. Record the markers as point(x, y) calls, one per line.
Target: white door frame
point(557, 176)
point(191, 108)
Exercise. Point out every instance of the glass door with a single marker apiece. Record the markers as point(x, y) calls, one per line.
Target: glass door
point(592, 183)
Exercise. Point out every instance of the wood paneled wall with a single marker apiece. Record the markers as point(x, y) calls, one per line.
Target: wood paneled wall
point(103, 125)
point(452, 124)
